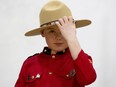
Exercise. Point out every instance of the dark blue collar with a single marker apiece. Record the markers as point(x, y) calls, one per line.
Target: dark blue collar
point(47, 51)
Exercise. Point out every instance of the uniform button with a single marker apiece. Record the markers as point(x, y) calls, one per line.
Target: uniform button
point(67, 75)
point(32, 77)
point(53, 56)
point(50, 73)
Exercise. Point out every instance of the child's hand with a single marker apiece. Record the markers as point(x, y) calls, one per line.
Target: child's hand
point(67, 27)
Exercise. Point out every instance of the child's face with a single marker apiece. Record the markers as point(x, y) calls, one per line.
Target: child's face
point(54, 40)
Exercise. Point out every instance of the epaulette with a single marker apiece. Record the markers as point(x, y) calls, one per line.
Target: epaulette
point(33, 55)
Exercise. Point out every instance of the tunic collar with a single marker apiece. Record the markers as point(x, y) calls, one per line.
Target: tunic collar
point(47, 51)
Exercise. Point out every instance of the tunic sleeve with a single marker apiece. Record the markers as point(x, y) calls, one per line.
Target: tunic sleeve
point(85, 73)
point(21, 79)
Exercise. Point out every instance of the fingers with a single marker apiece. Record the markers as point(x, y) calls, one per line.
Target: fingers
point(65, 20)
point(61, 21)
point(70, 18)
point(58, 24)
point(52, 23)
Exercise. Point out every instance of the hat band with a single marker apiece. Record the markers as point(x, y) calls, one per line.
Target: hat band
point(48, 23)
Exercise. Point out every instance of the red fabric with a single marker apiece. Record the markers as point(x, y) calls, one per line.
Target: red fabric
point(56, 72)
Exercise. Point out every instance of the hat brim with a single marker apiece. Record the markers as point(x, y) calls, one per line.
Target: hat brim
point(37, 31)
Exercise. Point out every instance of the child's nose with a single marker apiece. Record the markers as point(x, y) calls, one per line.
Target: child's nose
point(58, 36)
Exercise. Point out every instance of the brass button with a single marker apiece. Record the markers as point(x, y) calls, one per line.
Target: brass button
point(50, 73)
point(67, 75)
point(53, 56)
point(32, 77)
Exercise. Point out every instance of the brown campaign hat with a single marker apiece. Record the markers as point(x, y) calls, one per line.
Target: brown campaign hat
point(53, 11)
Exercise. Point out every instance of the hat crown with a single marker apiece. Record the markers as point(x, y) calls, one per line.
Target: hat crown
point(52, 11)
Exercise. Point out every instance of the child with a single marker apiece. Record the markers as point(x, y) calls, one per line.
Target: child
point(63, 63)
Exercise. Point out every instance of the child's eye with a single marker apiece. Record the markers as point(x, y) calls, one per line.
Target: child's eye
point(51, 31)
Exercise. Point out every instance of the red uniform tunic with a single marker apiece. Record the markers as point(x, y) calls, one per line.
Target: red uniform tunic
point(59, 70)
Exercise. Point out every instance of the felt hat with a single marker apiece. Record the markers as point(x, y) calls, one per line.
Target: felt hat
point(52, 11)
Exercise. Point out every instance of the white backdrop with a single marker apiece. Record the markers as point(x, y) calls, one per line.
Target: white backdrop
point(98, 39)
